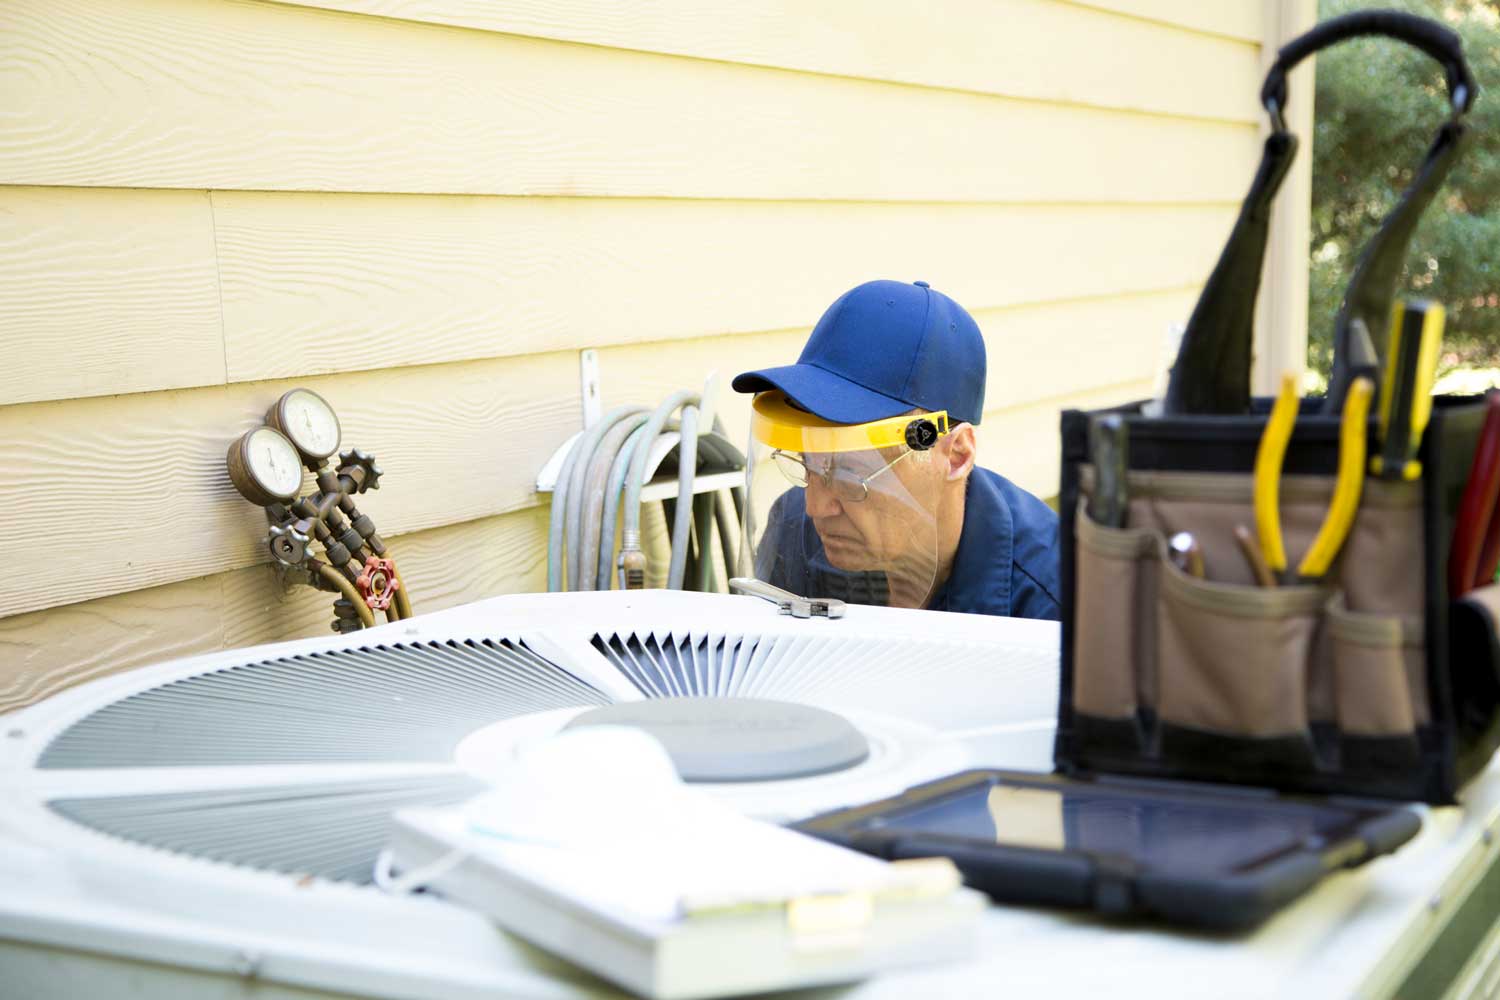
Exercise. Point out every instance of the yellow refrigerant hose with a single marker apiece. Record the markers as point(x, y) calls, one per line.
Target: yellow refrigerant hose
point(343, 586)
point(403, 601)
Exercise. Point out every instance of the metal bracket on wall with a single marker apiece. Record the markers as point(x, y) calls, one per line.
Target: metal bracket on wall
point(588, 390)
point(592, 395)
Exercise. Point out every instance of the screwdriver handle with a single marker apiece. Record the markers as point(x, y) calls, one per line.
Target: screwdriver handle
point(1406, 393)
point(1109, 449)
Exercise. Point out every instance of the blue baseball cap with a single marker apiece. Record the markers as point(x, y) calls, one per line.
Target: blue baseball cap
point(884, 348)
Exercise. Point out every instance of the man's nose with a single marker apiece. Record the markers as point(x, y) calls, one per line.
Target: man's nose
point(820, 499)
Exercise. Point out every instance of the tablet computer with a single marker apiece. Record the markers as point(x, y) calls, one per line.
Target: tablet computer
point(1200, 854)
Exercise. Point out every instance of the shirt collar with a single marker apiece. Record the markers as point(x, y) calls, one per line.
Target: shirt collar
point(979, 582)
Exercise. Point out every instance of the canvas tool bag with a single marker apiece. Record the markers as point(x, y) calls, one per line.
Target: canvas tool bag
point(1368, 682)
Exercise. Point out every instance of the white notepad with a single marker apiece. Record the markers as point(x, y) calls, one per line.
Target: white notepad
point(672, 895)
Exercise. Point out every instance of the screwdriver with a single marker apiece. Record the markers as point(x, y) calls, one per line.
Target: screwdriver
point(1186, 554)
point(1406, 392)
point(1109, 447)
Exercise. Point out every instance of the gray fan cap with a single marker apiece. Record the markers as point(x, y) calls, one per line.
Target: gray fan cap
point(740, 739)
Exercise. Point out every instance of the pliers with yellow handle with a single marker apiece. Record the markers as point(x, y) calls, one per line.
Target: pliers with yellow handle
point(1353, 426)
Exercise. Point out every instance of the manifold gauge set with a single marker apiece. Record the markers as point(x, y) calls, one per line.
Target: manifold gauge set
point(266, 464)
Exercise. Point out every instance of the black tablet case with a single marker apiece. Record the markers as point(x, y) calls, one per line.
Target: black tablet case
point(1112, 884)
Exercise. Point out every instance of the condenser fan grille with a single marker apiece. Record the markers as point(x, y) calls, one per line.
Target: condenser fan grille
point(942, 683)
point(332, 830)
point(294, 763)
point(401, 702)
point(680, 666)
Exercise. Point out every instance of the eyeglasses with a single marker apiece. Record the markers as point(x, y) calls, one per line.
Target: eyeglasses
point(842, 482)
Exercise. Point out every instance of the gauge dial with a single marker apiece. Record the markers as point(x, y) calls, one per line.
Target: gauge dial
point(265, 467)
point(307, 419)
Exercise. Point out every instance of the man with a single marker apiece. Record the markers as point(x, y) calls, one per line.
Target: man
point(874, 428)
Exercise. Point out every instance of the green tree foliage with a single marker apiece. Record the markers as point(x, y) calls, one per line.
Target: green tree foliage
point(1378, 104)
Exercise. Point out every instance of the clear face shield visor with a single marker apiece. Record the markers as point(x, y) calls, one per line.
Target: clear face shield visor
point(845, 511)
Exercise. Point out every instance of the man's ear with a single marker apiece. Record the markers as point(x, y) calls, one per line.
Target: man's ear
point(958, 447)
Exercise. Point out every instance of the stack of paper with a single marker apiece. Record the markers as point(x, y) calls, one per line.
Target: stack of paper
point(663, 890)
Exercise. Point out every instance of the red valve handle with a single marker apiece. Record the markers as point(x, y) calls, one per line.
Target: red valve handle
point(378, 583)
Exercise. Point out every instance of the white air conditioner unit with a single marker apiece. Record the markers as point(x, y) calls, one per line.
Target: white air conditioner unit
point(183, 828)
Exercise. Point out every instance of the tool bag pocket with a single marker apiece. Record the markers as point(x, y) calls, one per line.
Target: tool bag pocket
point(1115, 660)
point(1380, 683)
point(1233, 664)
point(1194, 676)
point(1381, 568)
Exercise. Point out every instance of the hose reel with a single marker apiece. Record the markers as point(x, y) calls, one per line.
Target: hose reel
point(602, 479)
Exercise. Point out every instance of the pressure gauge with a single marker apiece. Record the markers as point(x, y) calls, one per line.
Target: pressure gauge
point(307, 419)
point(265, 467)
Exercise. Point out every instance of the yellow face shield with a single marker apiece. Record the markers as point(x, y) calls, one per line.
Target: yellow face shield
point(846, 511)
point(778, 424)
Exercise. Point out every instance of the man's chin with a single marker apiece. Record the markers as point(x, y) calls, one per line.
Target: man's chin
point(847, 555)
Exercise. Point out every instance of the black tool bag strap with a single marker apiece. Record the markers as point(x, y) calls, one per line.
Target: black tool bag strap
point(1212, 371)
point(1364, 316)
point(1439, 42)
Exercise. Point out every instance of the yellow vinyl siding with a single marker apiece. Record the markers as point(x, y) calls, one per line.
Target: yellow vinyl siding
point(1244, 21)
point(106, 292)
point(254, 95)
point(44, 651)
point(1039, 49)
point(424, 209)
point(322, 283)
point(117, 493)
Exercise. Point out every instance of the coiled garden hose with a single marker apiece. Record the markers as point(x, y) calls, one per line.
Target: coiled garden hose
point(607, 466)
point(632, 560)
point(687, 466)
point(587, 446)
point(583, 560)
point(583, 447)
point(728, 533)
point(703, 540)
point(605, 573)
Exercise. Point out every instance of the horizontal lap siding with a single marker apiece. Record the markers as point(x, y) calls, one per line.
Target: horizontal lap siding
point(44, 651)
point(105, 292)
point(424, 208)
point(193, 94)
point(126, 281)
point(1038, 49)
point(124, 492)
point(316, 283)
point(1243, 21)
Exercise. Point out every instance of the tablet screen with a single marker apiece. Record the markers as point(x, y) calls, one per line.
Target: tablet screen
point(1189, 835)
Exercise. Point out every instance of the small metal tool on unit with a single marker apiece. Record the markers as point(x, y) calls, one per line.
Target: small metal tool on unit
point(786, 601)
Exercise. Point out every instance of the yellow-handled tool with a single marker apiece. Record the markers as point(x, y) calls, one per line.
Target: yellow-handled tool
point(1406, 389)
point(1268, 458)
point(1346, 491)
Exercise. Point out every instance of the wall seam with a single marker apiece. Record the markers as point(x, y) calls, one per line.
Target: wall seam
point(213, 231)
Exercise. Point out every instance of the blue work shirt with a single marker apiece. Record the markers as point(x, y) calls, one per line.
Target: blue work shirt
point(1006, 563)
